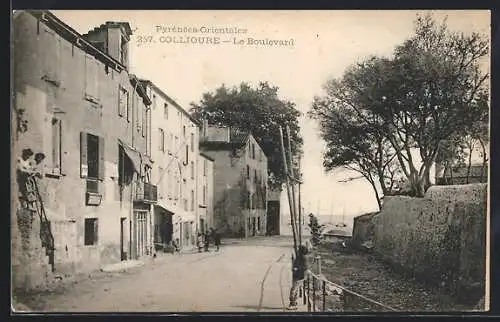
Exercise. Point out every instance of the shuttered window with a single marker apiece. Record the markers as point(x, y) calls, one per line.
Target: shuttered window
point(56, 146)
point(123, 102)
point(52, 65)
point(91, 231)
point(91, 78)
point(91, 156)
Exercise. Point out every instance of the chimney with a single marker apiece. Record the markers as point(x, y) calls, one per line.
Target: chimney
point(113, 39)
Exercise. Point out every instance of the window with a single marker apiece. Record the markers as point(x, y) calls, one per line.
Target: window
point(192, 200)
point(144, 121)
point(170, 143)
point(56, 146)
point(255, 175)
point(205, 195)
point(91, 79)
point(165, 110)
point(160, 184)
point(184, 130)
point(91, 229)
point(123, 102)
point(192, 170)
point(139, 116)
point(185, 204)
point(123, 51)
point(248, 171)
point(192, 142)
point(161, 140)
point(187, 154)
point(91, 156)
point(258, 223)
point(253, 151)
point(249, 200)
point(52, 64)
point(205, 167)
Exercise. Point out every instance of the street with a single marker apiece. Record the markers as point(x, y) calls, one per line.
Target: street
point(244, 276)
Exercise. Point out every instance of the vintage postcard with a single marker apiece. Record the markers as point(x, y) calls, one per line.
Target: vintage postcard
point(250, 161)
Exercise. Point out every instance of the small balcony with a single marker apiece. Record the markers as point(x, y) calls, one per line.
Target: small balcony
point(146, 193)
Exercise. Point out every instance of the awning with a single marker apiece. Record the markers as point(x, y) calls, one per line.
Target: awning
point(133, 154)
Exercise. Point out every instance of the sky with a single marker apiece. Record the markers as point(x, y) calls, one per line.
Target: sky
point(325, 43)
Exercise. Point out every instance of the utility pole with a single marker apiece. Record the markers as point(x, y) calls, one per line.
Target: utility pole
point(300, 209)
point(293, 180)
point(290, 202)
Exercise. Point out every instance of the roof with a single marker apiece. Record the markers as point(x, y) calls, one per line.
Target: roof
point(71, 35)
point(158, 90)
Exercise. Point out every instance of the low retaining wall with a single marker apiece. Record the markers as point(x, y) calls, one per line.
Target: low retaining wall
point(440, 238)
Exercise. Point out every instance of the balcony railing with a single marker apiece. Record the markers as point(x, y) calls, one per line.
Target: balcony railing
point(146, 192)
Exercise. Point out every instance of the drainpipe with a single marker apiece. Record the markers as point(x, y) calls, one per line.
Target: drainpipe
point(132, 185)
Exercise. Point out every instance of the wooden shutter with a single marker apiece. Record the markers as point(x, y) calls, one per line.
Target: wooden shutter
point(121, 99)
point(101, 158)
point(88, 74)
point(96, 231)
point(84, 167)
point(95, 75)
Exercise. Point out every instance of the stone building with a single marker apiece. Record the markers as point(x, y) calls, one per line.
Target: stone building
point(205, 192)
point(175, 136)
point(240, 187)
point(75, 101)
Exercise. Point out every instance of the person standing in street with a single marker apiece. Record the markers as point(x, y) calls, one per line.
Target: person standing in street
point(199, 242)
point(300, 268)
point(216, 240)
point(207, 241)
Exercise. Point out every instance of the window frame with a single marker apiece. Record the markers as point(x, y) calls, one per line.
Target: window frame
point(94, 232)
point(161, 143)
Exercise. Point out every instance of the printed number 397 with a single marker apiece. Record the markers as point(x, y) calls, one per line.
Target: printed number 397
point(145, 39)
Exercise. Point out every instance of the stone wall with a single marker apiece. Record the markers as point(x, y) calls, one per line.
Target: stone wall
point(440, 238)
point(363, 229)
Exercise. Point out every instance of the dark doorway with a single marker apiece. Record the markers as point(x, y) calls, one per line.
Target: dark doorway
point(273, 218)
point(254, 227)
point(163, 228)
point(123, 244)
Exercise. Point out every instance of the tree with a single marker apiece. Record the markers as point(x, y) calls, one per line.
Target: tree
point(353, 144)
point(257, 110)
point(316, 229)
point(432, 89)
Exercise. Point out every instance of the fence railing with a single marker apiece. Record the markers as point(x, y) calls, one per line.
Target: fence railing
point(322, 295)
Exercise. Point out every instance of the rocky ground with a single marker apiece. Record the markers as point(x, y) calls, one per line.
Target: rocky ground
point(363, 274)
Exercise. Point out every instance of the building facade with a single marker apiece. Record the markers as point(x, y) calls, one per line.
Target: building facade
point(205, 192)
point(175, 136)
point(240, 186)
point(75, 101)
